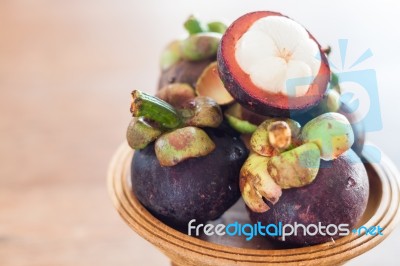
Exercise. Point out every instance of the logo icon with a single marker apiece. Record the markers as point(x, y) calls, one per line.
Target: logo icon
point(359, 95)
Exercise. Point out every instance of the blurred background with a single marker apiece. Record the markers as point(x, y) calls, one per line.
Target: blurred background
point(66, 72)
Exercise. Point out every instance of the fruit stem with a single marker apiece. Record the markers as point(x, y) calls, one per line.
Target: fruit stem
point(153, 108)
point(279, 135)
point(327, 50)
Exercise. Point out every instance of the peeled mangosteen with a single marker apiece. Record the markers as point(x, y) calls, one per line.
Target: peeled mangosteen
point(272, 65)
point(200, 188)
point(338, 195)
point(184, 71)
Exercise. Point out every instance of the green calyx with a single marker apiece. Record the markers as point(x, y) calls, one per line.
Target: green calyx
point(295, 168)
point(234, 117)
point(217, 26)
point(202, 112)
point(200, 46)
point(198, 111)
point(257, 185)
point(203, 40)
point(140, 133)
point(202, 43)
point(195, 47)
point(194, 25)
point(176, 131)
point(331, 132)
point(150, 107)
point(176, 94)
point(262, 143)
point(241, 126)
point(181, 144)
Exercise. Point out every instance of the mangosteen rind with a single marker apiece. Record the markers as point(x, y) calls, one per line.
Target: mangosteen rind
point(199, 188)
point(184, 71)
point(338, 195)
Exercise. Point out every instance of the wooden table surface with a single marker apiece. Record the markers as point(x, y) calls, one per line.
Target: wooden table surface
point(66, 71)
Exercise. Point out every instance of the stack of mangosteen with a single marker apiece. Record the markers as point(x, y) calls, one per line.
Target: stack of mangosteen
point(251, 110)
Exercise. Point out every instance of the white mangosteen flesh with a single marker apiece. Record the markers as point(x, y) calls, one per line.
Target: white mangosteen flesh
point(279, 56)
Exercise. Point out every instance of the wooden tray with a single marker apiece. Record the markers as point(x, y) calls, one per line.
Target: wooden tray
point(184, 250)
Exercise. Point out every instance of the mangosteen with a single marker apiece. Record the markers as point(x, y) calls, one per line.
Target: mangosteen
point(200, 188)
point(338, 195)
point(272, 65)
point(183, 71)
point(183, 61)
point(186, 165)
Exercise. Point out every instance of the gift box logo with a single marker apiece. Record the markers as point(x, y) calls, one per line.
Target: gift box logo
point(359, 92)
point(360, 89)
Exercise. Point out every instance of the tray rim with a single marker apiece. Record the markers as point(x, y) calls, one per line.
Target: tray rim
point(178, 245)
